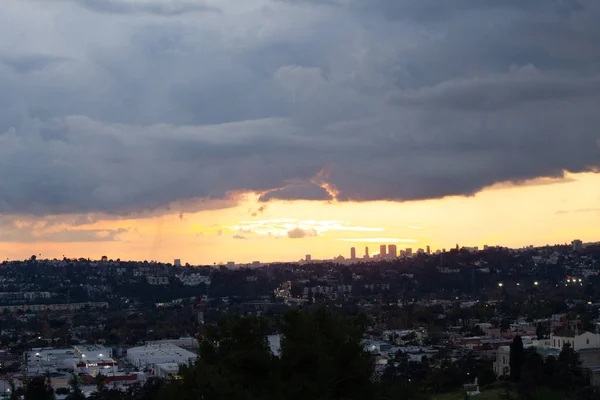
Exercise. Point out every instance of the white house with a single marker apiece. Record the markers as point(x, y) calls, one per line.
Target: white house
point(577, 340)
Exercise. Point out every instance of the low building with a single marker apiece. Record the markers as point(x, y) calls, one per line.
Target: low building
point(193, 279)
point(89, 360)
point(94, 360)
point(152, 354)
point(186, 342)
point(165, 370)
point(577, 340)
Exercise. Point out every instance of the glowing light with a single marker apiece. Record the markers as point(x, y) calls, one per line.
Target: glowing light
point(500, 284)
point(281, 226)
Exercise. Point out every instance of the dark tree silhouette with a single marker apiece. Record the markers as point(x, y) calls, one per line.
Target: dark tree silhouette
point(39, 388)
point(322, 356)
point(517, 358)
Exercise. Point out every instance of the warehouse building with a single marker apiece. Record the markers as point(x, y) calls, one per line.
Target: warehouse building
point(145, 357)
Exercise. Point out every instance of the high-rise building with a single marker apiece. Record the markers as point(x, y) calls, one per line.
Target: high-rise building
point(408, 252)
point(457, 248)
point(577, 245)
point(366, 252)
point(177, 262)
point(392, 251)
point(352, 253)
point(428, 250)
point(308, 258)
point(382, 251)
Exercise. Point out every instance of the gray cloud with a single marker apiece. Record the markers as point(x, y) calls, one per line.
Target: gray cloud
point(299, 233)
point(491, 93)
point(28, 232)
point(30, 62)
point(101, 112)
point(303, 191)
point(154, 7)
point(239, 237)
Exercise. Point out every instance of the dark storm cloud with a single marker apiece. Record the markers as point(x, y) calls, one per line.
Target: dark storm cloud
point(440, 11)
point(15, 229)
point(297, 192)
point(155, 7)
point(29, 62)
point(394, 99)
point(503, 91)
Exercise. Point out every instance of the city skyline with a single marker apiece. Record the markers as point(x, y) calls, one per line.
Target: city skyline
point(221, 130)
point(268, 237)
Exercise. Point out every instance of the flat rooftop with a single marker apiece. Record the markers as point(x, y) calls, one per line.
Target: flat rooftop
point(159, 353)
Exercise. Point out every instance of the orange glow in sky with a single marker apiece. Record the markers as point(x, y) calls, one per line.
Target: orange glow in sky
point(537, 212)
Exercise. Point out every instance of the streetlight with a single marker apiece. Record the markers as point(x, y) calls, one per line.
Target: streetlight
point(500, 284)
point(535, 283)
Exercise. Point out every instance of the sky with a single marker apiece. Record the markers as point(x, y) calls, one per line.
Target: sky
point(227, 130)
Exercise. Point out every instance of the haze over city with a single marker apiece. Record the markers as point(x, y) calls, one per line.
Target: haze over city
point(222, 130)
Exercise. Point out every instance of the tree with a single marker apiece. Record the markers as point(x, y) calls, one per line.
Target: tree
point(235, 363)
point(532, 374)
point(570, 374)
point(506, 392)
point(540, 331)
point(517, 358)
point(39, 388)
point(99, 380)
point(150, 390)
point(486, 375)
point(75, 393)
point(322, 357)
point(15, 393)
point(102, 393)
point(504, 325)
